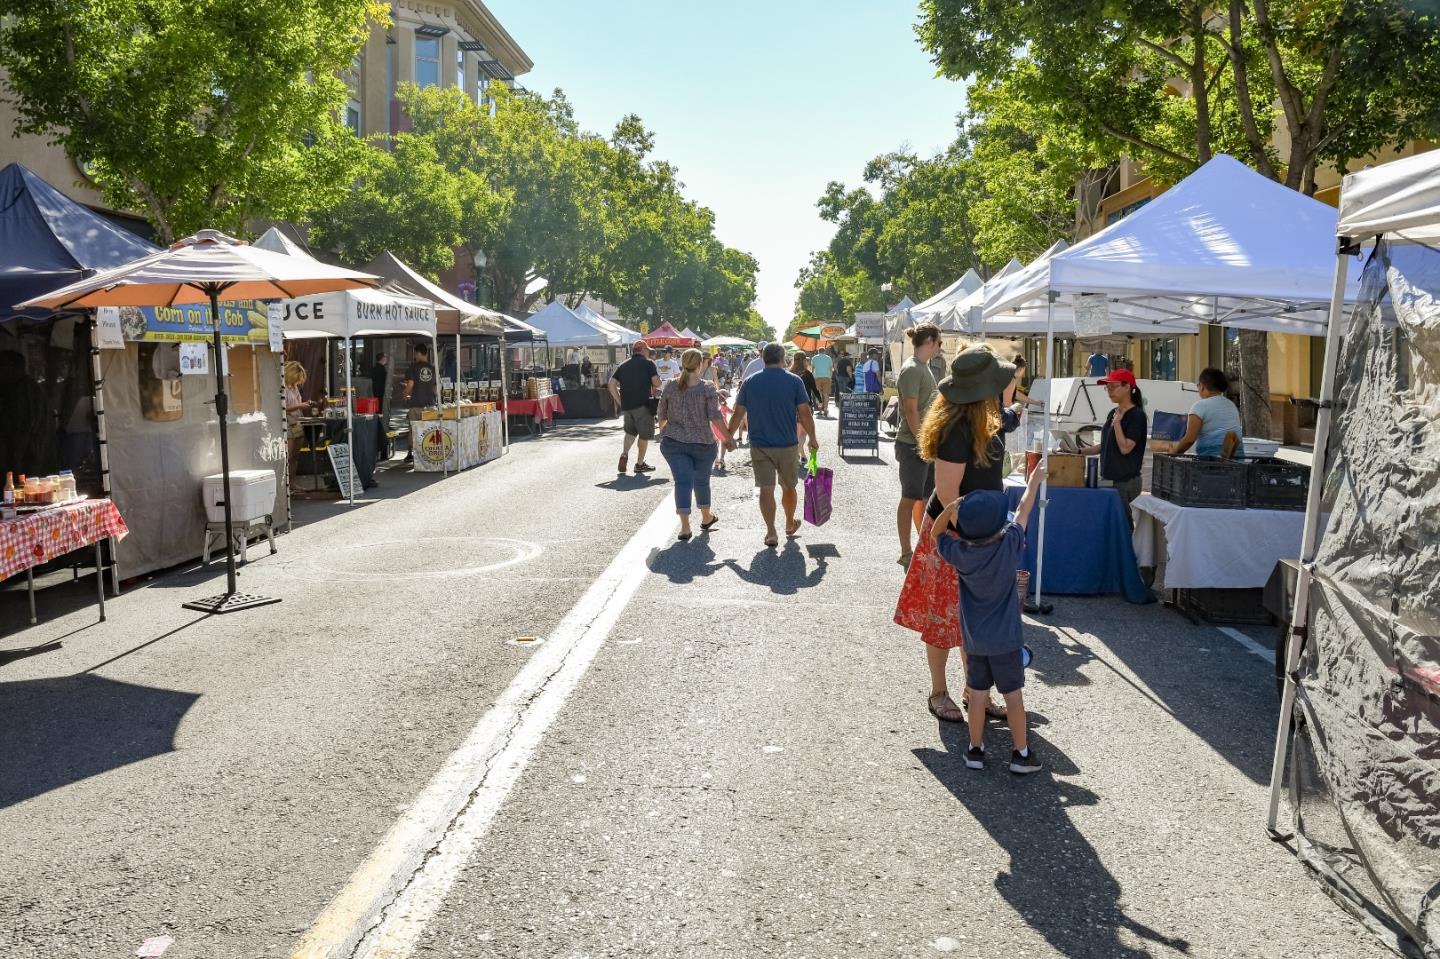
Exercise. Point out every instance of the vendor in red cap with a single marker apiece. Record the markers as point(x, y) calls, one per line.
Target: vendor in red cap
point(1122, 442)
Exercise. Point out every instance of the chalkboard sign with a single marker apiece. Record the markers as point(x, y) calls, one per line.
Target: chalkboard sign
point(344, 470)
point(860, 422)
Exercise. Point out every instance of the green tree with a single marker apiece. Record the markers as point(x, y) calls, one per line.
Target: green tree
point(198, 114)
point(1286, 84)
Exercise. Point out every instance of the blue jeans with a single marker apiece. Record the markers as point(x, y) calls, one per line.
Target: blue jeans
point(690, 466)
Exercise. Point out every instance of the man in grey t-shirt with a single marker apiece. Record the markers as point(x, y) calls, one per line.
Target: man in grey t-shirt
point(916, 386)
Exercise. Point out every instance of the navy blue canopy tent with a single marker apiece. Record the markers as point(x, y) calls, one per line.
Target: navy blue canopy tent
point(47, 240)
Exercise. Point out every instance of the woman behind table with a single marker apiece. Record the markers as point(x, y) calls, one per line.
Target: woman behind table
point(294, 408)
point(961, 434)
point(688, 407)
point(1212, 419)
point(1122, 441)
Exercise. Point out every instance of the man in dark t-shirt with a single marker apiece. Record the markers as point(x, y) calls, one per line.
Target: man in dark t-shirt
point(631, 386)
point(420, 379)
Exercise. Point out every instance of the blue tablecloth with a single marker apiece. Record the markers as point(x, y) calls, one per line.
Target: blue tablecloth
point(1087, 544)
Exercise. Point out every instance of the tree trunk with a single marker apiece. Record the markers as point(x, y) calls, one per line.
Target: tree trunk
point(1254, 369)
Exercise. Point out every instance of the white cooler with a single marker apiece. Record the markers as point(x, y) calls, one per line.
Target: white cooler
point(252, 496)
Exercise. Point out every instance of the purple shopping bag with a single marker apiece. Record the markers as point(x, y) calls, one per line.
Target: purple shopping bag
point(819, 482)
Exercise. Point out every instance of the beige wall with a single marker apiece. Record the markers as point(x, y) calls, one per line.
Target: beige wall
point(49, 162)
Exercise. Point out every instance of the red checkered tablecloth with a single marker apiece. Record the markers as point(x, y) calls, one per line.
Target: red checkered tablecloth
point(34, 538)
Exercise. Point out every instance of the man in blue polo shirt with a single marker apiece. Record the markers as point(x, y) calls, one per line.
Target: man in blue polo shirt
point(777, 407)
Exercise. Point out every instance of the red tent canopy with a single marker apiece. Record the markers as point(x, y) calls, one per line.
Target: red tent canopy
point(667, 335)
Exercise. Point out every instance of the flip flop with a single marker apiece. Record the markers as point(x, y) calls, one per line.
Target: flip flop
point(794, 531)
point(707, 527)
point(772, 543)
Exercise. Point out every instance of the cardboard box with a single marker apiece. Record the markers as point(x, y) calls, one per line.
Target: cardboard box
point(1066, 469)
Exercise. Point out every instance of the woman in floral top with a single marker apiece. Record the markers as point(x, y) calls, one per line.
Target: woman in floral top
point(688, 405)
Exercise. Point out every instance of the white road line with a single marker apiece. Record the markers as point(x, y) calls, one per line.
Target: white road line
point(385, 906)
point(1250, 645)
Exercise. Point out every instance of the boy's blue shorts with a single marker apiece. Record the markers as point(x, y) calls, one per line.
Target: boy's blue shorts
point(1006, 672)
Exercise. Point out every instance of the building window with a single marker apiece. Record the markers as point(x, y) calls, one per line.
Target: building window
point(1165, 358)
point(460, 69)
point(352, 116)
point(427, 61)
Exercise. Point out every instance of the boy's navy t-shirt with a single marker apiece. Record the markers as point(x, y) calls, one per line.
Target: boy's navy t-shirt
point(989, 603)
point(770, 398)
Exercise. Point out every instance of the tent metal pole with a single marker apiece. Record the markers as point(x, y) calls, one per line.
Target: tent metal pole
point(439, 408)
point(458, 460)
point(1045, 448)
point(97, 396)
point(1310, 537)
point(349, 417)
point(505, 394)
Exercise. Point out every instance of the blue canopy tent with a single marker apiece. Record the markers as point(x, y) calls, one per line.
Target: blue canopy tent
point(47, 240)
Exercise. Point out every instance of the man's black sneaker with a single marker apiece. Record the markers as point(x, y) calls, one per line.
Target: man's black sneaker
point(1024, 764)
point(975, 758)
point(643, 468)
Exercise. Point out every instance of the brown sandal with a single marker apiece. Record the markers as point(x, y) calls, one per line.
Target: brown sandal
point(942, 712)
point(995, 708)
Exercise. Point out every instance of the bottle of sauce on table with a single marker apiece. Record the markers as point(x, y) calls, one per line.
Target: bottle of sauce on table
point(9, 489)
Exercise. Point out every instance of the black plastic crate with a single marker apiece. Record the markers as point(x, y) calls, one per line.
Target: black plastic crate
point(1189, 481)
point(1276, 484)
point(1239, 606)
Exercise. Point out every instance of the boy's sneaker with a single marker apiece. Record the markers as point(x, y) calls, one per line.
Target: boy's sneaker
point(1024, 764)
point(975, 758)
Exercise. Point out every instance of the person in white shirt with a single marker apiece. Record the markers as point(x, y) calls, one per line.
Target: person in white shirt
point(669, 369)
point(863, 381)
point(572, 357)
point(755, 365)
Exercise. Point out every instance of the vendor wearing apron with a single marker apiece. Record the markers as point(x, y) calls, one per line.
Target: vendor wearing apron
point(1122, 442)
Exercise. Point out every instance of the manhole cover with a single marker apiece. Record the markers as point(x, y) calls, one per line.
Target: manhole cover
point(432, 558)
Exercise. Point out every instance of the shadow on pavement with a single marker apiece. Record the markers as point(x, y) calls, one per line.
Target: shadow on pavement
point(60, 731)
point(684, 562)
point(627, 482)
point(574, 431)
point(782, 570)
point(1192, 673)
point(1056, 882)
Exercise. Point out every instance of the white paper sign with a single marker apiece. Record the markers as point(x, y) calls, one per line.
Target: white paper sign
point(275, 320)
point(194, 359)
point(108, 333)
point(870, 327)
point(1092, 314)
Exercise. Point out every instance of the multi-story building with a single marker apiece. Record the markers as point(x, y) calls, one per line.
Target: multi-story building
point(448, 44)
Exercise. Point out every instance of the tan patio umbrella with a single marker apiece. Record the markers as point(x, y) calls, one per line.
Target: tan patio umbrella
point(207, 268)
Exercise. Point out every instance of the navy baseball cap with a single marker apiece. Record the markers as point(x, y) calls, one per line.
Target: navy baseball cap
point(982, 513)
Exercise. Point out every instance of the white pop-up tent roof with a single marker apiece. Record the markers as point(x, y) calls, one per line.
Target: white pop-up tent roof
point(1400, 199)
point(626, 335)
point(964, 317)
point(1223, 245)
point(936, 306)
point(349, 313)
point(563, 327)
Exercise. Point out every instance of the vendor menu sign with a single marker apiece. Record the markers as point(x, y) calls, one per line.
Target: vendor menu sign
point(241, 321)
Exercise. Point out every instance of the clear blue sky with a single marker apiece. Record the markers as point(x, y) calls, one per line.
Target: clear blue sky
point(759, 104)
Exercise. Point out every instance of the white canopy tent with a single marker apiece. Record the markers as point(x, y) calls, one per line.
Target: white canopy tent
point(898, 320)
point(563, 327)
point(1398, 202)
point(718, 341)
point(691, 333)
point(964, 317)
point(626, 335)
point(1225, 245)
point(347, 315)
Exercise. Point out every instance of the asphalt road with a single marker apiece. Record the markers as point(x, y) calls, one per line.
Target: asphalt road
point(746, 767)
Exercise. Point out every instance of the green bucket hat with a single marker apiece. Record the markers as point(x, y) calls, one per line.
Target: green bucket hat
point(975, 374)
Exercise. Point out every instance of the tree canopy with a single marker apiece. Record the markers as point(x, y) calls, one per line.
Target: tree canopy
point(554, 211)
point(199, 114)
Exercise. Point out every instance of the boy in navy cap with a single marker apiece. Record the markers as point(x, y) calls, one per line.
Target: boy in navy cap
point(989, 548)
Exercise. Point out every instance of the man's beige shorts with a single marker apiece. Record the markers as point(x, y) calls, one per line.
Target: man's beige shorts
point(772, 463)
